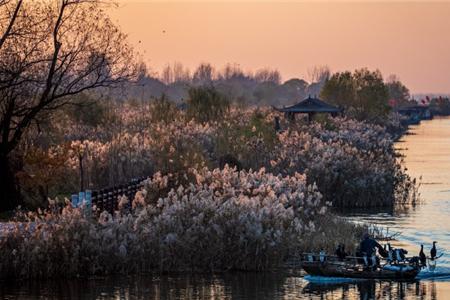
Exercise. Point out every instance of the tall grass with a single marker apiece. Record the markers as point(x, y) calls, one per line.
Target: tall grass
point(353, 163)
point(222, 220)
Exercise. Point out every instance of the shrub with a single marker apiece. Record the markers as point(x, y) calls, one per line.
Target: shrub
point(207, 104)
point(164, 111)
point(248, 137)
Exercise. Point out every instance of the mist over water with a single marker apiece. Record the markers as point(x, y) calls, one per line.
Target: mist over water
point(427, 155)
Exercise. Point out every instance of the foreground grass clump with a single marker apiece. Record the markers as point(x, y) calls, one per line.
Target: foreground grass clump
point(221, 220)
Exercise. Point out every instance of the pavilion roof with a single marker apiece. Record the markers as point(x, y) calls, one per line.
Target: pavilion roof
point(310, 105)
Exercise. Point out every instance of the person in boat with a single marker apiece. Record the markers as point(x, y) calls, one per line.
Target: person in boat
point(368, 248)
point(359, 254)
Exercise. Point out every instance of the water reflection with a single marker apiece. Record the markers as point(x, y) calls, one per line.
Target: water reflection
point(228, 286)
point(373, 290)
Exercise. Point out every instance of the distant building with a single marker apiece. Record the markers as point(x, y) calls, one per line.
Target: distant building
point(310, 106)
point(415, 113)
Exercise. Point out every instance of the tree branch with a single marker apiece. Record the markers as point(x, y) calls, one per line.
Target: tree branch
point(11, 23)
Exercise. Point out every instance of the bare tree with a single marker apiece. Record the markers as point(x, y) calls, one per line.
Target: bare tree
point(180, 73)
point(175, 73)
point(319, 74)
point(268, 75)
point(167, 75)
point(52, 50)
point(231, 71)
point(10, 10)
point(204, 74)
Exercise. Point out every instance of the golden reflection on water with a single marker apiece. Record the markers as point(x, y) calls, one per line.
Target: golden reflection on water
point(427, 155)
point(228, 286)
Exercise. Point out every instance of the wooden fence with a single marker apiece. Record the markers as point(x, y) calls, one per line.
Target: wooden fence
point(107, 199)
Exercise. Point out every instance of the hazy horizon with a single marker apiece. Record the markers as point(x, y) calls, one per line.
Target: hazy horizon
point(406, 39)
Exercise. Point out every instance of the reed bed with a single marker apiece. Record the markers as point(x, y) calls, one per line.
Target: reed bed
point(224, 220)
point(353, 163)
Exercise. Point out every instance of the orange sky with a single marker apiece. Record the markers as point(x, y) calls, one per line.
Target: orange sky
point(410, 39)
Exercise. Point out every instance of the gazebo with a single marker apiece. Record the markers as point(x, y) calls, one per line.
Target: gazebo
point(310, 106)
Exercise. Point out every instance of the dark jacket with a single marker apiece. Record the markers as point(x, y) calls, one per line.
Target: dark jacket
point(368, 246)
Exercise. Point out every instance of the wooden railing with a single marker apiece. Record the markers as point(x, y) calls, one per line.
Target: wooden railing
point(108, 198)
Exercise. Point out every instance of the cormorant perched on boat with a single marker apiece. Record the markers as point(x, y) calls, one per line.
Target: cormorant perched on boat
point(423, 257)
point(340, 252)
point(390, 253)
point(400, 254)
point(433, 251)
point(343, 253)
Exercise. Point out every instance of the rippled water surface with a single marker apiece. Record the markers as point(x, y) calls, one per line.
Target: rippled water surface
point(427, 155)
point(229, 286)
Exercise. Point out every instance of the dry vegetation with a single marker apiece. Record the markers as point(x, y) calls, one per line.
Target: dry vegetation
point(194, 214)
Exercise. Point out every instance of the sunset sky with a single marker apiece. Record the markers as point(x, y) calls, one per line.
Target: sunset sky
point(410, 39)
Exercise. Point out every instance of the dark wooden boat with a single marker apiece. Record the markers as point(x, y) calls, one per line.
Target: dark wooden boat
point(354, 267)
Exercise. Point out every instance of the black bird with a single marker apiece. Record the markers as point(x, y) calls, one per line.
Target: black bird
point(433, 251)
point(423, 257)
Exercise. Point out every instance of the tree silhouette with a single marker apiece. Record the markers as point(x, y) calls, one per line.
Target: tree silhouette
point(50, 51)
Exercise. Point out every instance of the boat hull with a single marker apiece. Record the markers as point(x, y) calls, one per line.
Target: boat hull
point(341, 270)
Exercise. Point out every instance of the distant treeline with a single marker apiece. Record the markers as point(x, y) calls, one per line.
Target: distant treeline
point(263, 87)
point(439, 106)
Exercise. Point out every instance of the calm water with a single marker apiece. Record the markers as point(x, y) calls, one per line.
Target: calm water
point(427, 154)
